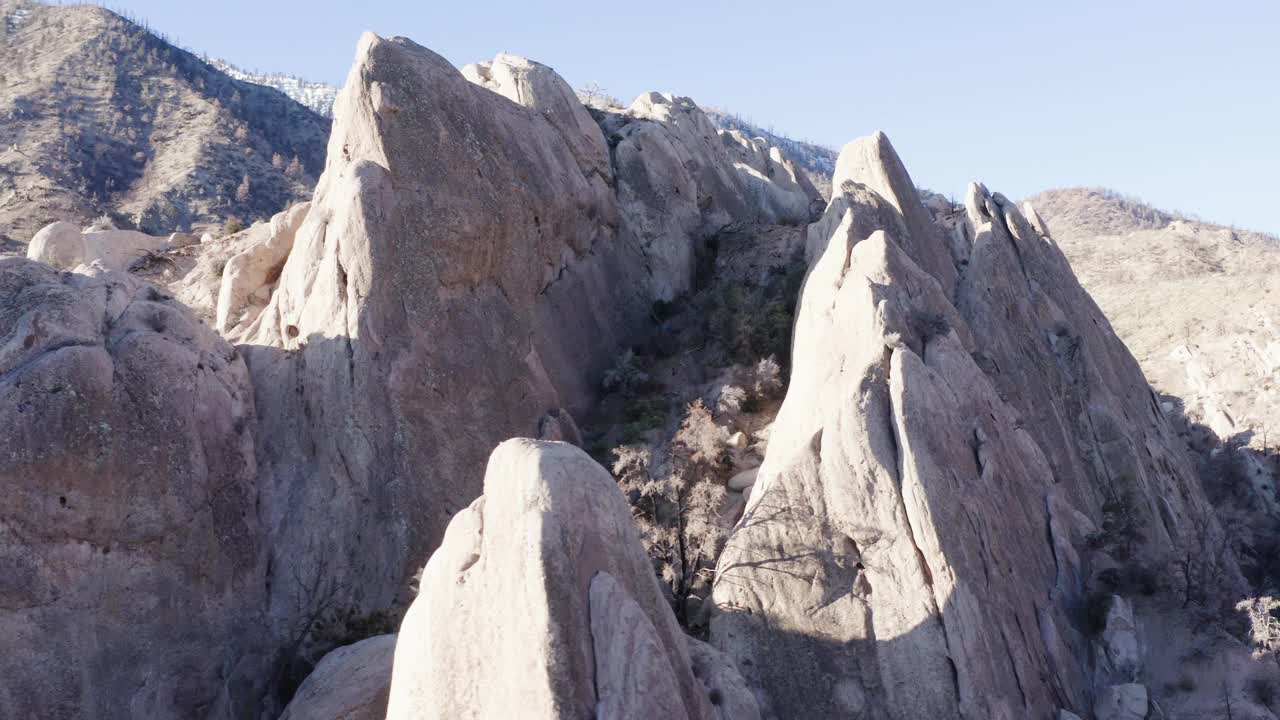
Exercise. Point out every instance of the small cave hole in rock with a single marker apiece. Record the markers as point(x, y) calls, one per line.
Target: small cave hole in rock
point(292, 331)
point(62, 500)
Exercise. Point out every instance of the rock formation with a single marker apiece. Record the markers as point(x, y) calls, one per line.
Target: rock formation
point(350, 683)
point(64, 246)
point(922, 539)
point(872, 573)
point(541, 602)
point(448, 211)
point(132, 557)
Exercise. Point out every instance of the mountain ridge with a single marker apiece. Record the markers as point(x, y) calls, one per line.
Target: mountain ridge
point(100, 116)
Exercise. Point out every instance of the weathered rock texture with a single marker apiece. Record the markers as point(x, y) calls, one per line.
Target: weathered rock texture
point(541, 602)
point(468, 267)
point(131, 556)
point(350, 683)
point(956, 418)
point(64, 246)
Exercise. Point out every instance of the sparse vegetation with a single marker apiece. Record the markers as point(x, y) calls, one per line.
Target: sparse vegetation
point(625, 376)
point(677, 506)
point(104, 109)
point(1122, 526)
point(752, 322)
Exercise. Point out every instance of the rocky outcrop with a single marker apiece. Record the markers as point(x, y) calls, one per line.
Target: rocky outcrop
point(438, 296)
point(869, 575)
point(63, 246)
point(1122, 702)
point(132, 561)
point(350, 683)
point(676, 180)
point(248, 277)
point(541, 602)
point(468, 267)
point(774, 185)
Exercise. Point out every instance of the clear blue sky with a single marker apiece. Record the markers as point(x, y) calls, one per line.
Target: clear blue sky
point(1176, 102)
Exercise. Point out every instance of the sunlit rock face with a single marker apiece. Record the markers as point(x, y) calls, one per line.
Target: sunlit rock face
point(475, 255)
point(542, 603)
point(955, 419)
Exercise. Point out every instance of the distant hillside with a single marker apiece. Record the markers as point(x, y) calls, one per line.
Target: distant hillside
point(817, 161)
point(100, 116)
point(1197, 303)
point(316, 95)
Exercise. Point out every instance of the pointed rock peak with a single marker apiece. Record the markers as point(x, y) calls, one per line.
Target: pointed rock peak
point(873, 162)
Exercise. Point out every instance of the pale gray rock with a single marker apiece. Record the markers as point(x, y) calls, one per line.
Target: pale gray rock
point(1122, 702)
point(868, 575)
point(541, 602)
point(132, 563)
point(63, 246)
point(350, 683)
point(248, 277)
point(558, 426)
point(1120, 650)
point(539, 88)
point(436, 300)
point(458, 278)
point(743, 480)
point(59, 244)
point(872, 161)
point(777, 191)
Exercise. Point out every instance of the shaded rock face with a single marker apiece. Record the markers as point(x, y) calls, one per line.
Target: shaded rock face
point(541, 602)
point(953, 424)
point(350, 683)
point(131, 556)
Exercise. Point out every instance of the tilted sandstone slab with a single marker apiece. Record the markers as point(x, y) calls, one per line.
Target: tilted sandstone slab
point(952, 427)
point(542, 603)
point(132, 570)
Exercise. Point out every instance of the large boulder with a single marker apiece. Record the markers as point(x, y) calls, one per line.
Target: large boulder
point(63, 246)
point(350, 683)
point(132, 569)
point(869, 574)
point(541, 602)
